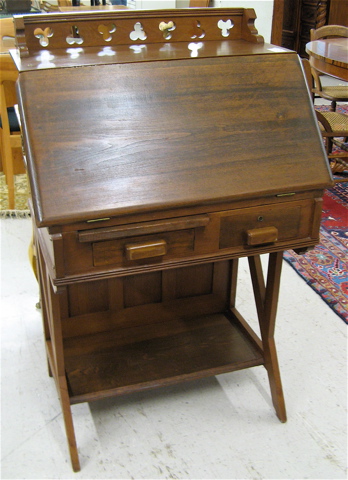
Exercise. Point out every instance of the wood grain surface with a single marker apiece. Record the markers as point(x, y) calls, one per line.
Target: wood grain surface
point(115, 139)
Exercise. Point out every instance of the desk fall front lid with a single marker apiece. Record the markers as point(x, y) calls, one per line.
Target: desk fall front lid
point(146, 111)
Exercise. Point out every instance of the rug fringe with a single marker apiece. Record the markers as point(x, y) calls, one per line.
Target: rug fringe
point(5, 214)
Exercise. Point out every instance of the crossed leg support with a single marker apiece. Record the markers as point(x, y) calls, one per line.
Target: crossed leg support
point(266, 299)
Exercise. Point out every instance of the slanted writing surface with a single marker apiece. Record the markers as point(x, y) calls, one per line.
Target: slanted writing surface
point(163, 134)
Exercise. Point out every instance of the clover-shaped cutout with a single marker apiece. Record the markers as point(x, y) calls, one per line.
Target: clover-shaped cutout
point(138, 32)
point(106, 31)
point(74, 37)
point(225, 27)
point(167, 28)
point(197, 31)
point(43, 35)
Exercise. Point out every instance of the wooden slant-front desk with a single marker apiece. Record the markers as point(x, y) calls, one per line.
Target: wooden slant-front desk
point(161, 147)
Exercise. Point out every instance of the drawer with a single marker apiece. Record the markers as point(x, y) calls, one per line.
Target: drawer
point(144, 248)
point(263, 225)
point(130, 244)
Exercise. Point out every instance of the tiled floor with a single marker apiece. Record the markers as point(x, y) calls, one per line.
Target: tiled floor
point(221, 428)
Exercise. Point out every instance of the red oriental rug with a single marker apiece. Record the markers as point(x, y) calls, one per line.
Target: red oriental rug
point(325, 268)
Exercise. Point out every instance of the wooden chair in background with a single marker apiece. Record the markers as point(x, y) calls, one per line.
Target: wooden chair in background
point(332, 93)
point(199, 3)
point(7, 34)
point(48, 7)
point(10, 134)
point(333, 127)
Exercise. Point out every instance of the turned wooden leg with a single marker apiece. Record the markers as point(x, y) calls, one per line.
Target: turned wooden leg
point(266, 298)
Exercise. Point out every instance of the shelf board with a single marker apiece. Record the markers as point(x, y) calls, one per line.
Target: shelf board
point(141, 357)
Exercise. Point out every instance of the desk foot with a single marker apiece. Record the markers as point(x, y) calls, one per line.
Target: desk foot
point(68, 422)
point(271, 364)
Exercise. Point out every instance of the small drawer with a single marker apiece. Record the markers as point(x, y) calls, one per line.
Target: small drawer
point(126, 245)
point(263, 225)
point(146, 248)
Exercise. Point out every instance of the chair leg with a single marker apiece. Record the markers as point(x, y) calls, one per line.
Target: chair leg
point(7, 160)
point(333, 106)
point(11, 195)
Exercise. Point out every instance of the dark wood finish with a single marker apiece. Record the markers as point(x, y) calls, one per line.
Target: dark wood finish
point(293, 20)
point(338, 14)
point(36, 33)
point(277, 22)
point(143, 198)
point(146, 228)
point(177, 169)
point(163, 354)
point(266, 298)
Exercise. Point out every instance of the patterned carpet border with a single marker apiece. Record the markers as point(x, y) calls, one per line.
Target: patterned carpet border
point(325, 269)
point(21, 198)
point(341, 108)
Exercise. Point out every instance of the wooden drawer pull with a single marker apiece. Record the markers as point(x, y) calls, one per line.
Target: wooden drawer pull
point(260, 236)
point(138, 251)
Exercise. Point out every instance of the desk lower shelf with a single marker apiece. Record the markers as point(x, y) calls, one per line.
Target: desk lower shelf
point(110, 337)
point(127, 360)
